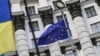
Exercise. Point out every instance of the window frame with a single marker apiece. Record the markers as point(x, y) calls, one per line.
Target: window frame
point(32, 10)
point(92, 10)
point(54, 5)
point(95, 26)
point(36, 23)
point(98, 45)
point(32, 41)
point(60, 18)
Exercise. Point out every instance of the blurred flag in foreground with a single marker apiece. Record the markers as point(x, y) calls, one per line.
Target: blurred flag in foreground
point(2, 55)
point(6, 30)
point(55, 32)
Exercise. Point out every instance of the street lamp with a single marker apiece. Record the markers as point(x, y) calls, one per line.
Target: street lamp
point(60, 5)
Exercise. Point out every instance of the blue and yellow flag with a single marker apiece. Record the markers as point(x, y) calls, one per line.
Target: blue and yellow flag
point(2, 55)
point(6, 30)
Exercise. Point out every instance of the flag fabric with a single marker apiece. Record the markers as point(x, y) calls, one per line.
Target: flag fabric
point(2, 55)
point(57, 31)
point(6, 29)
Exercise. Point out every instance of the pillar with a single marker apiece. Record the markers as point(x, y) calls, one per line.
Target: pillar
point(47, 52)
point(47, 19)
point(55, 49)
point(20, 34)
point(98, 2)
point(78, 49)
point(75, 10)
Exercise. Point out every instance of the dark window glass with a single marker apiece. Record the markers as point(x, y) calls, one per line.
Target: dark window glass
point(95, 27)
point(35, 26)
point(33, 43)
point(31, 10)
point(90, 11)
point(54, 4)
point(59, 18)
point(98, 46)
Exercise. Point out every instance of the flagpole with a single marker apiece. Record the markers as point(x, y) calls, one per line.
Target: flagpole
point(67, 26)
point(31, 27)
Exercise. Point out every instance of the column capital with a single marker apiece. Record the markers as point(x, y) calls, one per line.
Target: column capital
point(78, 45)
point(98, 2)
point(46, 15)
point(74, 8)
point(47, 52)
point(94, 41)
point(63, 49)
point(18, 20)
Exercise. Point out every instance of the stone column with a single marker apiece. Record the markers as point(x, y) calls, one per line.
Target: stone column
point(78, 46)
point(47, 52)
point(20, 34)
point(78, 49)
point(75, 10)
point(47, 18)
point(55, 49)
point(98, 2)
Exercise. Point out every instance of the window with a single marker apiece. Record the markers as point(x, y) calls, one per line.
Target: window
point(98, 46)
point(90, 11)
point(33, 43)
point(35, 26)
point(69, 53)
point(31, 10)
point(95, 27)
point(59, 18)
point(54, 4)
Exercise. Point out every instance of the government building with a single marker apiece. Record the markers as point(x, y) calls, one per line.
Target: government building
point(83, 18)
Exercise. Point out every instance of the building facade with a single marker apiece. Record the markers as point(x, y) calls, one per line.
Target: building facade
point(83, 19)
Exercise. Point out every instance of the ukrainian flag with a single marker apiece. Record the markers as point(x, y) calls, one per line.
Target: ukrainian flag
point(6, 29)
point(2, 55)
